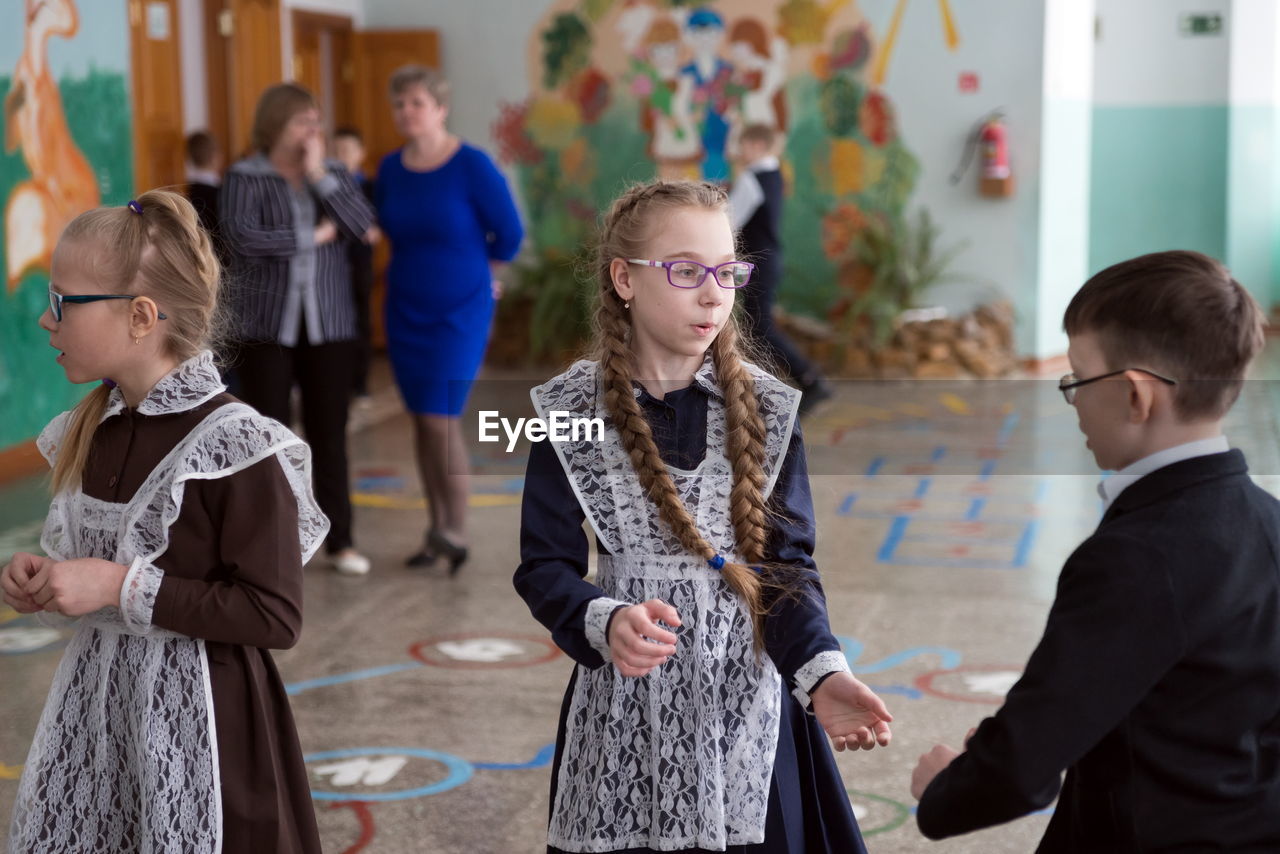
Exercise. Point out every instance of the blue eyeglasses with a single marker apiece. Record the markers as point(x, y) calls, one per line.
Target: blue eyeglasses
point(56, 300)
point(730, 275)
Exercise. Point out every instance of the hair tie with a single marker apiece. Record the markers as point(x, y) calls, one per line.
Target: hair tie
point(135, 207)
point(108, 383)
point(716, 561)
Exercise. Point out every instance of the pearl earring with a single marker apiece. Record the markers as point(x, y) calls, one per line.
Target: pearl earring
point(626, 305)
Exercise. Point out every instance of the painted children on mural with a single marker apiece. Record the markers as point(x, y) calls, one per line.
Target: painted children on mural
point(674, 143)
point(760, 70)
point(703, 90)
point(1156, 685)
point(179, 525)
point(705, 640)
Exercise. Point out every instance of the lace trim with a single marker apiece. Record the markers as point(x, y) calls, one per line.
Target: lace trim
point(187, 386)
point(832, 661)
point(682, 757)
point(138, 594)
point(130, 710)
point(596, 624)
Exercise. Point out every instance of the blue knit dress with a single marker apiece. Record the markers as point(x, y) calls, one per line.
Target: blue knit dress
point(444, 226)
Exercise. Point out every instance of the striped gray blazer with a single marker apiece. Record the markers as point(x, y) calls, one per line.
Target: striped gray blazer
point(258, 224)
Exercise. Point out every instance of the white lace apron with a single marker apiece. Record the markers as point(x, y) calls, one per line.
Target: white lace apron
point(124, 758)
point(683, 757)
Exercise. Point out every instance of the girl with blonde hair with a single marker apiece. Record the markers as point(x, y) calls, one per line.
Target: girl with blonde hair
point(705, 639)
point(175, 541)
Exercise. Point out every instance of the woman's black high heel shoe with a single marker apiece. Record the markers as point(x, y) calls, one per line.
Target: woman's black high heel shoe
point(426, 556)
point(456, 555)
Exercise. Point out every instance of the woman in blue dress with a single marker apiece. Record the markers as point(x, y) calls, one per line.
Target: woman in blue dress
point(450, 219)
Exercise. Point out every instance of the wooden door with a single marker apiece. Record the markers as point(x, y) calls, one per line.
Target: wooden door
point(323, 62)
point(377, 54)
point(157, 94)
point(242, 52)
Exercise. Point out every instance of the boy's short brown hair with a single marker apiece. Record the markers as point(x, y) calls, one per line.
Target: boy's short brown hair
point(201, 149)
point(760, 133)
point(1179, 313)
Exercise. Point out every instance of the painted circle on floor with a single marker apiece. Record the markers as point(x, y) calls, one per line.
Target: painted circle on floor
point(20, 639)
point(366, 768)
point(876, 813)
point(484, 651)
point(970, 684)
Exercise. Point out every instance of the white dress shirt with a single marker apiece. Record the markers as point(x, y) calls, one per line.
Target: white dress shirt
point(746, 194)
point(1111, 487)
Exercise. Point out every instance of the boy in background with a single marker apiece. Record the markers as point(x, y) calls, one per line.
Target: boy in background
point(348, 147)
point(755, 207)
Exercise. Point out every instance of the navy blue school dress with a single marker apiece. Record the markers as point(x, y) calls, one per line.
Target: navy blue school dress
point(714, 750)
point(444, 225)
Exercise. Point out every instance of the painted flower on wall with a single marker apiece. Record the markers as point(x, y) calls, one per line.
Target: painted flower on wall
point(552, 122)
point(514, 145)
point(875, 117)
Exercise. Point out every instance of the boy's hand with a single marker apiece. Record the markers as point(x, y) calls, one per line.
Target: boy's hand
point(851, 713)
point(636, 641)
point(20, 569)
point(77, 587)
point(929, 766)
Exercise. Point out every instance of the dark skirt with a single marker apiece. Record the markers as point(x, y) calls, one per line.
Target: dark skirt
point(809, 810)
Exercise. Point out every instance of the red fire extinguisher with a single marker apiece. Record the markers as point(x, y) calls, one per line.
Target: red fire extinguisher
point(991, 137)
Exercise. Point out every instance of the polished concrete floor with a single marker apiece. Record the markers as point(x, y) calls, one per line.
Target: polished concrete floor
point(427, 704)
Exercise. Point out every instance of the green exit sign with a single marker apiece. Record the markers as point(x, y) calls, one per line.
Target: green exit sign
point(1208, 24)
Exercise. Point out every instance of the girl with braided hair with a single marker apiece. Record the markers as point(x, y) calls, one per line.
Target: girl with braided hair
point(707, 671)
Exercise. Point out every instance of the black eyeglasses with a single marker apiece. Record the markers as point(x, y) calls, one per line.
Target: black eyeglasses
point(1068, 384)
point(730, 275)
point(56, 300)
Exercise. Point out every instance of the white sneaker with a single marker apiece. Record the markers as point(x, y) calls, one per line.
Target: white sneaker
point(350, 562)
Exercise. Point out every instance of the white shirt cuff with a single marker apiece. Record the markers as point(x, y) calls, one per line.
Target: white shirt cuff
point(596, 624)
point(832, 661)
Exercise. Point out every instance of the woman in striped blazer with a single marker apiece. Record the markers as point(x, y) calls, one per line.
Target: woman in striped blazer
point(289, 216)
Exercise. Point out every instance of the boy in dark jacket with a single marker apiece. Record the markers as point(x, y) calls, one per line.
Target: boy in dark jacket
point(1156, 685)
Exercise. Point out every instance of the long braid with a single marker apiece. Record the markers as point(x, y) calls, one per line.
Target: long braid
point(746, 432)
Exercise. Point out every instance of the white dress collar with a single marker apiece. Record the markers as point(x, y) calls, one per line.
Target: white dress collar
point(187, 386)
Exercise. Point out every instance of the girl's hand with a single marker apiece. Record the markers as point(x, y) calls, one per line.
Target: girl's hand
point(14, 578)
point(636, 641)
point(77, 587)
point(850, 712)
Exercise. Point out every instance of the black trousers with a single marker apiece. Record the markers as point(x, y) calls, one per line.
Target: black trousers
point(268, 372)
point(757, 312)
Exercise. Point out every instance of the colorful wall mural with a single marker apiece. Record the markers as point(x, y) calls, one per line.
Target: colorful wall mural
point(624, 90)
point(67, 147)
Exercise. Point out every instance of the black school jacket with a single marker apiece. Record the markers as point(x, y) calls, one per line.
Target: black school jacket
point(1156, 686)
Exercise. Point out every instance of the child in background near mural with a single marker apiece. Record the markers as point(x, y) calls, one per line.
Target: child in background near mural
point(179, 525)
point(755, 205)
point(706, 641)
point(1156, 685)
point(348, 148)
